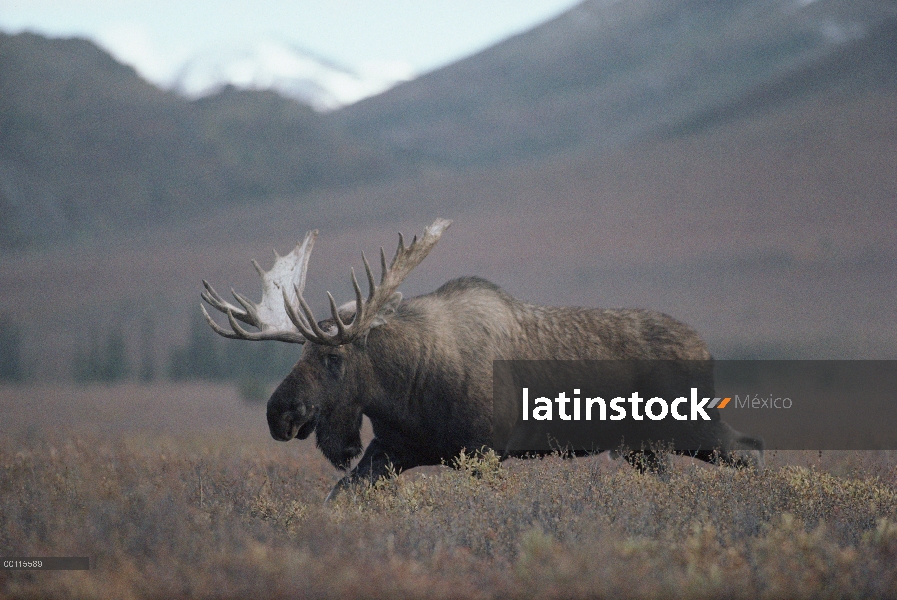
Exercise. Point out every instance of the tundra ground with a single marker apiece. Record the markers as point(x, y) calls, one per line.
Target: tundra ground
point(176, 491)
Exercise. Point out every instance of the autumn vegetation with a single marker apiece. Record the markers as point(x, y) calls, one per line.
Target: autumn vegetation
point(163, 511)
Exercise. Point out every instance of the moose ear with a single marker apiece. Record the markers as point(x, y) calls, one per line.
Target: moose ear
point(387, 311)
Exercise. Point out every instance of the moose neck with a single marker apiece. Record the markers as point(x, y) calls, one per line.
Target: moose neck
point(431, 373)
point(398, 358)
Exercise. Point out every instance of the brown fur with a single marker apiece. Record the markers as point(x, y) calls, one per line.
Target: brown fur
point(424, 378)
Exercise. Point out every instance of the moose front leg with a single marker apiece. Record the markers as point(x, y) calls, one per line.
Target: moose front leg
point(377, 462)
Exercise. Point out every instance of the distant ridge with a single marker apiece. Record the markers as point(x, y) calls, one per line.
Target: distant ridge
point(606, 74)
point(86, 145)
point(859, 66)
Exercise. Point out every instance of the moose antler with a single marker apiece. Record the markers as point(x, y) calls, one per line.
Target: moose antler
point(367, 311)
point(276, 316)
point(281, 284)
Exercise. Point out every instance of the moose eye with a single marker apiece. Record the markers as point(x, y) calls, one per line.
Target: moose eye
point(334, 364)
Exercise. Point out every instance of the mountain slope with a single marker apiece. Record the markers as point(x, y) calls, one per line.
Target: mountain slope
point(607, 73)
point(87, 146)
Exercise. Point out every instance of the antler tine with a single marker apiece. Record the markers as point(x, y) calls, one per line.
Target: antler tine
point(210, 293)
point(218, 328)
point(309, 316)
point(359, 304)
point(239, 330)
point(372, 287)
point(298, 320)
point(340, 326)
point(215, 299)
point(405, 260)
point(251, 316)
point(320, 336)
point(247, 314)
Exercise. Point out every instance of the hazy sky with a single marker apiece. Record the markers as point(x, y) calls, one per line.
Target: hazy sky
point(395, 38)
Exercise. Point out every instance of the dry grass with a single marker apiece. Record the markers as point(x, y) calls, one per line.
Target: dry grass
point(204, 511)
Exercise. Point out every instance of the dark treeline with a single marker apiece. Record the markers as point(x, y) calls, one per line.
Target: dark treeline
point(110, 355)
point(210, 357)
point(102, 360)
point(107, 357)
point(12, 367)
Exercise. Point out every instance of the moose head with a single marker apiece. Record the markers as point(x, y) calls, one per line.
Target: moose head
point(335, 366)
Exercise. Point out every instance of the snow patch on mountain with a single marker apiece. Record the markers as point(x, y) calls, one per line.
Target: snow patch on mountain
point(288, 69)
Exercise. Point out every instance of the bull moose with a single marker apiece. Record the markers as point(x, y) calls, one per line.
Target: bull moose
point(421, 368)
